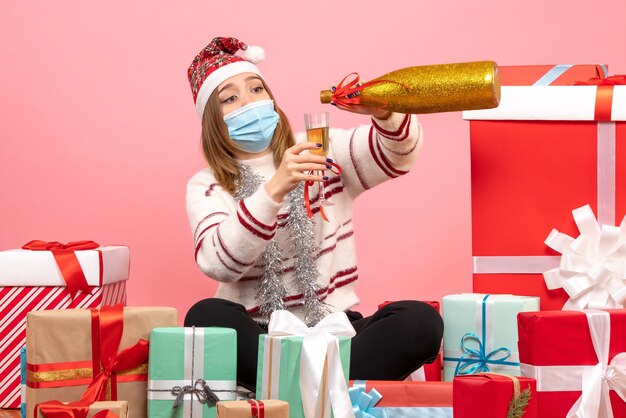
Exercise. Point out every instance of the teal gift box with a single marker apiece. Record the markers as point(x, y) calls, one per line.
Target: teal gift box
point(23, 381)
point(480, 333)
point(183, 363)
point(278, 372)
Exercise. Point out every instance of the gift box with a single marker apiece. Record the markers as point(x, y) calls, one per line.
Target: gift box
point(575, 357)
point(489, 395)
point(106, 409)
point(402, 399)
point(480, 333)
point(306, 367)
point(91, 355)
point(188, 367)
point(548, 148)
point(269, 408)
point(33, 280)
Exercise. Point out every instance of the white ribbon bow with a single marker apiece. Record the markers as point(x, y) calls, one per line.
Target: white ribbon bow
point(319, 360)
point(594, 402)
point(593, 266)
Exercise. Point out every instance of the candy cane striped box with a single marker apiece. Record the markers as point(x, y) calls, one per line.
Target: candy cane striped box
point(32, 281)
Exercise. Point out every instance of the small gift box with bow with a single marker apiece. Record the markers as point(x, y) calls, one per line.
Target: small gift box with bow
point(578, 360)
point(106, 409)
point(91, 355)
point(481, 333)
point(557, 141)
point(252, 408)
point(490, 395)
point(51, 275)
point(190, 370)
point(306, 367)
point(377, 398)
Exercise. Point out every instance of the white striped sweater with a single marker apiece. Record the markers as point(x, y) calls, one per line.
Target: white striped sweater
point(230, 235)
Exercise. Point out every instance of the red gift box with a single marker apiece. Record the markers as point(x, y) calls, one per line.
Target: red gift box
point(556, 348)
point(488, 395)
point(34, 281)
point(430, 372)
point(541, 154)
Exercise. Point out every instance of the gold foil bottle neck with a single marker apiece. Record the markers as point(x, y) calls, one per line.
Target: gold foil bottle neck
point(326, 96)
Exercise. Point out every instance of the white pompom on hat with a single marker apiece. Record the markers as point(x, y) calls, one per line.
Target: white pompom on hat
point(216, 63)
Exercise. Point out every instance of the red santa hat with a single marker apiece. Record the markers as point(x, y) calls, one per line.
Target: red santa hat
point(216, 63)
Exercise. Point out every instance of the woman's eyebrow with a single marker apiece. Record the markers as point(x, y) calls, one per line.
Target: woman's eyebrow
point(224, 87)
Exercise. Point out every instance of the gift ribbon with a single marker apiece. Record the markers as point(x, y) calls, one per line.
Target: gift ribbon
point(321, 373)
point(107, 326)
point(320, 191)
point(193, 391)
point(56, 409)
point(364, 405)
point(347, 93)
point(478, 360)
point(594, 381)
point(66, 261)
point(257, 408)
point(604, 94)
point(591, 269)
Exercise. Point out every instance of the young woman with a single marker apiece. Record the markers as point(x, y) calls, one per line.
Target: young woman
point(253, 234)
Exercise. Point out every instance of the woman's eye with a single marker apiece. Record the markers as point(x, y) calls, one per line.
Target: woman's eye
point(229, 99)
point(257, 89)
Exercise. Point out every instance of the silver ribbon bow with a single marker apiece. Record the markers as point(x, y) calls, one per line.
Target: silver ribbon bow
point(200, 389)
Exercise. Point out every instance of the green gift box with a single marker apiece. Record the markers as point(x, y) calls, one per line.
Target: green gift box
point(480, 333)
point(278, 372)
point(184, 362)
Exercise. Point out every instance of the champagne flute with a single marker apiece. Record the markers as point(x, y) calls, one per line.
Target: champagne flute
point(317, 126)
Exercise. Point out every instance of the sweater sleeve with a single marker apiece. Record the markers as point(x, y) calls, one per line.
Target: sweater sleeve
point(228, 235)
point(370, 155)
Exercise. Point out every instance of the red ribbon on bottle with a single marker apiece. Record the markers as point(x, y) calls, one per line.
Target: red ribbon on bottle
point(347, 93)
point(604, 94)
point(310, 183)
point(107, 326)
point(66, 260)
point(257, 408)
point(56, 409)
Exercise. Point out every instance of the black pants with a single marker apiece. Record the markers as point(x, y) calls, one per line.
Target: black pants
point(388, 345)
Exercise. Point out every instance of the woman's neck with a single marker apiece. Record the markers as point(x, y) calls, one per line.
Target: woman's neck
point(244, 155)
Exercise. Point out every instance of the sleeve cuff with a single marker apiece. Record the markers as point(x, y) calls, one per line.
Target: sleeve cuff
point(258, 213)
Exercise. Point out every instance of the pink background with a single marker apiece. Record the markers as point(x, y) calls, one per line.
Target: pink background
point(98, 134)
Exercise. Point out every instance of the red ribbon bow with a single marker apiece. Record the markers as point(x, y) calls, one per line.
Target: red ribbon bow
point(107, 326)
point(309, 183)
point(257, 408)
point(604, 94)
point(347, 92)
point(56, 409)
point(66, 260)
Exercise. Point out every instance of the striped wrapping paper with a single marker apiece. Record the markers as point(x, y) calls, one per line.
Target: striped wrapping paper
point(17, 298)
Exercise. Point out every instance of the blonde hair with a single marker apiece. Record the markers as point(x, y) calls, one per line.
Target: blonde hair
point(219, 149)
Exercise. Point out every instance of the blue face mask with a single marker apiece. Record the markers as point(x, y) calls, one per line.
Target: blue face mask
point(252, 126)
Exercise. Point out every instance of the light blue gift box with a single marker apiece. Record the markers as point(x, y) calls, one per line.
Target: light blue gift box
point(183, 363)
point(480, 333)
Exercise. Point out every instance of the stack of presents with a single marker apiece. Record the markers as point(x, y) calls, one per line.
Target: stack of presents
point(544, 334)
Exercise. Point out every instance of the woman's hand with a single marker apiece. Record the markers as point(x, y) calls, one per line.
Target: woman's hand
point(377, 112)
point(293, 168)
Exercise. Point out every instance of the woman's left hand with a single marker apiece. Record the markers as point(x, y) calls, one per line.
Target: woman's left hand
point(377, 112)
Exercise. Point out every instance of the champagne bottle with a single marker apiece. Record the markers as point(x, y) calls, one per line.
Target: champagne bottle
point(424, 89)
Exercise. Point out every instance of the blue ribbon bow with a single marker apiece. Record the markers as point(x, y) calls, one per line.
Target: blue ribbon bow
point(363, 403)
point(477, 360)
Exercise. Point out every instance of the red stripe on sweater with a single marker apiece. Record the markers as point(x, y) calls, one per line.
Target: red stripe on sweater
point(332, 247)
point(354, 163)
point(387, 133)
point(204, 219)
point(254, 231)
point(206, 229)
point(268, 228)
point(400, 153)
point(228, 253)
point(386, 161)
point(375, 157)
point(226, 265)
